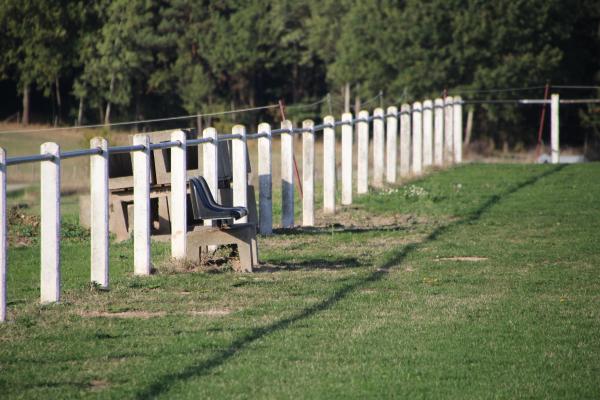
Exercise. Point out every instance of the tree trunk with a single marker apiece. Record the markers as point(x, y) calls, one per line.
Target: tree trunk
point(58, 100)
point(294, 80)
point(199, 123)
point(26, 96)
point(209, 118)
point(347, 97)
point(108, 103)
point(107, 114)
point(53, 106)
point(138, 107)
point(80, 112)
point(252, 96)
point(469, 127)
point(101, 111)
point(357, 104)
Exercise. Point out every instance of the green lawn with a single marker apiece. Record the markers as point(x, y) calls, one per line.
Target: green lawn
point(482, 281)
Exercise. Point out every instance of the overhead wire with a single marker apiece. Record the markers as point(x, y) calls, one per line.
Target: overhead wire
point(503, 90)
point(575, 87)
point(379, 95)
point(328, 98)
point(146, 121)
point(307, 105)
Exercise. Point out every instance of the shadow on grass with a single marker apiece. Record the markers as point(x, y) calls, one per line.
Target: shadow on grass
point(340, 228)
point(312, 264)
point(164, 383)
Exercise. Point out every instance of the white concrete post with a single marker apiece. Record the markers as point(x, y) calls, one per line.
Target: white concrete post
point(308, 174)
point(141, 206)
point(239, 167)
point(417, 138)
point(457, 129)
point(448, 130)
point(329, 166)
point(99, 235)
point(50, 224)
point(554, 129)
point(427, 133)
point(362, 168)
point(405, 140)
point(438, 146)
point(391, 131)
point(287, 175)
point(3, 230)
point(210, 164)
point(378, 147)
point(178, 196)
point(265, 181)
point(347, 139)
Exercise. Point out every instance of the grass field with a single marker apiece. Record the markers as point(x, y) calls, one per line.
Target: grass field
point(482, 281)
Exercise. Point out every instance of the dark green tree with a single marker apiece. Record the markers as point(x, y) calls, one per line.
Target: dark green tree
point(35, 46)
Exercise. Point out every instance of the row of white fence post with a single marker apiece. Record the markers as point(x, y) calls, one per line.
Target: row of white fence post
point(178, 207)
point(423, 143)
point(385, 133)
point(287, 176)
point(99, 197)
point(329, 173)
point(265, 181)
point(308, 173)
point(50, 224)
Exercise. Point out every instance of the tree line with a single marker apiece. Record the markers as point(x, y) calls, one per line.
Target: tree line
point(106, 60)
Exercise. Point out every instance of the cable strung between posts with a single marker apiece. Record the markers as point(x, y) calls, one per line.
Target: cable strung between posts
point(379, 95)
point(521, 89)
point(574, 87)
point(530, 101)
point(240, 110)
point(323, 100)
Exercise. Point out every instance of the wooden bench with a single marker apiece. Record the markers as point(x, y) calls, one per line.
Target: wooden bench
point(204, 207)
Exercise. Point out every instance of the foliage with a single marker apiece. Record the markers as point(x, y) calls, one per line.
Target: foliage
point(147, 58)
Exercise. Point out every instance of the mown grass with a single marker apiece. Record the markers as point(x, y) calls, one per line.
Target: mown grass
point(477, 282)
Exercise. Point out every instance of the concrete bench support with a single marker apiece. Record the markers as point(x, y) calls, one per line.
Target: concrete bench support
point(243, 235)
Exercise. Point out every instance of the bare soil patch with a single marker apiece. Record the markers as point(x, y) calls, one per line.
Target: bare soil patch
point(212, 313)
point(463, 258)
point(97, 385)
point(123, 314)
point(359, 218)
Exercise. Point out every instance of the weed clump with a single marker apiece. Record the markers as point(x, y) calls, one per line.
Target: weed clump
point(24, 228)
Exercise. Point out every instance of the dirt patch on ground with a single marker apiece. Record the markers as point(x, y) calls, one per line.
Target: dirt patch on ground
point(123, 314)
point(368, 291)
point(358, 218)
point(97, 385)
point(463, 258)
point(212, 313)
